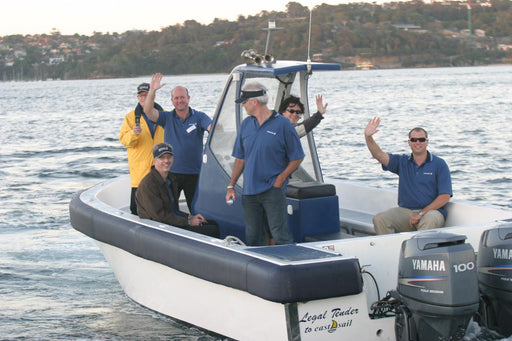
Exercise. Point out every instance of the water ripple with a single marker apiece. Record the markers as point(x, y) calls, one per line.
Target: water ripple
point(69, 141)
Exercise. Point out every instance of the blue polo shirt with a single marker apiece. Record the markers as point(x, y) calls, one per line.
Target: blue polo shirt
point(267, 151)
point(186, 138)
point(419, 185)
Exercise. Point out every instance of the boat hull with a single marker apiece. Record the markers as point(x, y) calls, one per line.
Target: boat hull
point(238, 314)
point(317, 290)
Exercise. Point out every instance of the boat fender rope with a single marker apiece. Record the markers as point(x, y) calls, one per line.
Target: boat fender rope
point(232, 240)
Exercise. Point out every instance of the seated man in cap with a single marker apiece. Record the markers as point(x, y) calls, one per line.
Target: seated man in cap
point(157, 196)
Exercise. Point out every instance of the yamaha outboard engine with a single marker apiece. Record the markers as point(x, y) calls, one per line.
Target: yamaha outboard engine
point(438, 287)
point(494, 263)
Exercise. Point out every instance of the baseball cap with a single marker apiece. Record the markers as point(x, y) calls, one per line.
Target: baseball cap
point(144, 87)
point(161, 149)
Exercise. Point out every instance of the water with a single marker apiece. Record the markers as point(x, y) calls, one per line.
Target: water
point(60, 137)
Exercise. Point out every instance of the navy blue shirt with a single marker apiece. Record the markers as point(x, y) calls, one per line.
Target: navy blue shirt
point(186, 138)
point(419, 185)
point(267, 151)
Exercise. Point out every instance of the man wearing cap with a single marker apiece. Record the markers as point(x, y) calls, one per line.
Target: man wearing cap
point(267, 150)
point(157, 196)
point(184, 130)
point(138, 134)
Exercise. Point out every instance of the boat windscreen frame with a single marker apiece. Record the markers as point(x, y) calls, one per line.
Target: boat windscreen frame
point(286, 81)
point(304, 77)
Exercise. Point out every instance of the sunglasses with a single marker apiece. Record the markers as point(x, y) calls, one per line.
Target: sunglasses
point(416, 139)
point(293, 111)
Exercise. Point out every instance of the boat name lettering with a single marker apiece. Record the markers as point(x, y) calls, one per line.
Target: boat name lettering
point(331, 327)
point(337, 312)
point(502, 253)
point(314, 317)
point(328, 321)
point(428, 265)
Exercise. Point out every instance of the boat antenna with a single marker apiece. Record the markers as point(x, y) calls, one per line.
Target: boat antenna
point(271, 28)
point(308, 64)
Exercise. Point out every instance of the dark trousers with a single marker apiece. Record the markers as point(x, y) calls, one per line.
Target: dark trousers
point(210, 229)
point(267, 207)
point(187, 183)
point(133, 204)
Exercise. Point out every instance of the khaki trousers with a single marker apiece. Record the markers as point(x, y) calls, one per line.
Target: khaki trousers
point(397, 220)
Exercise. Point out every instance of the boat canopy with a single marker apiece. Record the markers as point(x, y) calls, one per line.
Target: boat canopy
point(283, 67)
point(282, 79)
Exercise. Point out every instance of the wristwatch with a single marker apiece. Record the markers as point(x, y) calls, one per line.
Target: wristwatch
point(420, 213)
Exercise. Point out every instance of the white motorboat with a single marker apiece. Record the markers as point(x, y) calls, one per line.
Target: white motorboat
point(333, 283)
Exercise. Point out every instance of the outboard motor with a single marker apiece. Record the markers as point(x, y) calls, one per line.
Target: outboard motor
point(437, 286)
point(494, 264)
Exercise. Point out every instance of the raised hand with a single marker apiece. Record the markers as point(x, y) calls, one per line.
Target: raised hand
point(156, 82)
point(371, 127)
point(320, 107)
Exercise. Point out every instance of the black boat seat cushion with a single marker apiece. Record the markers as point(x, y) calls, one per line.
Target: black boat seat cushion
point(304, 190)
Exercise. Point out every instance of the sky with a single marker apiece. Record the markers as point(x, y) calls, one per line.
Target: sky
point(109, 16)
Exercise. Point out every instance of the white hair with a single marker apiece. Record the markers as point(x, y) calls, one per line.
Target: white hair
point(256, 86)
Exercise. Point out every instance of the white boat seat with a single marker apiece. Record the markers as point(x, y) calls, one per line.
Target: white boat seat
point(356, 223)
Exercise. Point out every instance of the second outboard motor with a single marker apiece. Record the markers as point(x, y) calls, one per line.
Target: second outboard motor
point(438, 287)
point(494, 264)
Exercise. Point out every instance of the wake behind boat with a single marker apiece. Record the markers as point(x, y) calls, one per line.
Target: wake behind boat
point(333, 282)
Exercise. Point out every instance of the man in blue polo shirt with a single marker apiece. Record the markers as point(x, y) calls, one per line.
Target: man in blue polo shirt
point(267, 150)
point(424, 184)
point(184, 129)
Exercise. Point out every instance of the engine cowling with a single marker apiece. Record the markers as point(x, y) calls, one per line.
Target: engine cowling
point(438, 286)
point(494, 264)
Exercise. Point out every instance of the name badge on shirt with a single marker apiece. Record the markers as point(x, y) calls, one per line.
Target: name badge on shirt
point(191, 128)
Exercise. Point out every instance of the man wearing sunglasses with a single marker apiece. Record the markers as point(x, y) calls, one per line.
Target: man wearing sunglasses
point(293, 109)
point(424, 184)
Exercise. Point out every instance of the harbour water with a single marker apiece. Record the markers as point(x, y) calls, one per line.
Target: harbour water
point(62, 136)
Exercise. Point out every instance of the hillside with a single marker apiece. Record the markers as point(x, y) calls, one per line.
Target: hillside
point(391, 35)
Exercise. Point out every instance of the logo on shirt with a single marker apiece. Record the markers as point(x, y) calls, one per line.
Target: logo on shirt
point(271, 132)
point(428, 173)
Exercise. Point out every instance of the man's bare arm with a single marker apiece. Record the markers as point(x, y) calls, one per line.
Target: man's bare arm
point(373, 147)
point(238, 168)
point(281, 178)
point(149, 104)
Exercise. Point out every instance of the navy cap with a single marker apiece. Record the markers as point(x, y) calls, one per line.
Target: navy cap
point(144, 87)
point(161, 149)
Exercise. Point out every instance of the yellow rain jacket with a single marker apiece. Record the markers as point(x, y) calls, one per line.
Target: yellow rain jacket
point(139, 147)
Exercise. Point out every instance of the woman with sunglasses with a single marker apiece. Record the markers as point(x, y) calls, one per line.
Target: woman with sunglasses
point(293, 109)
point(424, 184)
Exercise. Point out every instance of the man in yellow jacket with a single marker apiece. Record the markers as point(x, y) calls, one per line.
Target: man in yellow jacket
point(139, 134)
